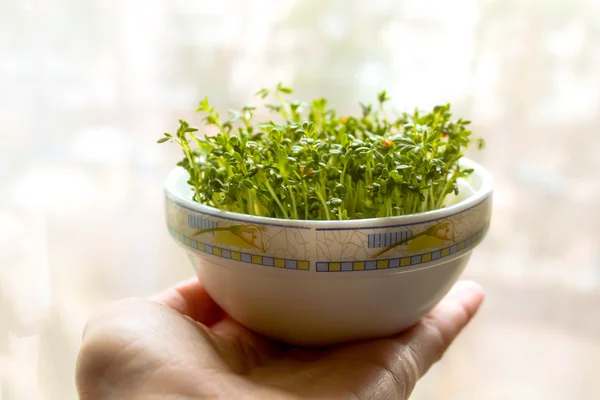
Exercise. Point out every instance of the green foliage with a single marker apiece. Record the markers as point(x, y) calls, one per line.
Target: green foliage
point(316, 165)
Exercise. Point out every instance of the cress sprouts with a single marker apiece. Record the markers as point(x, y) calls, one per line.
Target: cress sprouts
point(312, 164)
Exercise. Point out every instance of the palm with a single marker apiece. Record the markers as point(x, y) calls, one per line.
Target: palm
point(331, 373)
point(183, 346)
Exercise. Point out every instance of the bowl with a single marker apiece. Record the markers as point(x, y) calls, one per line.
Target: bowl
point(319, 283)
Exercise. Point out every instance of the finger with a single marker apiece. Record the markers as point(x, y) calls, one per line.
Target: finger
point(429, 339)
point(389, 368)
point(191, 299)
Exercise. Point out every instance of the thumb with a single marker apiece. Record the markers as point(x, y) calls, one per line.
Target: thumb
point(427, 341)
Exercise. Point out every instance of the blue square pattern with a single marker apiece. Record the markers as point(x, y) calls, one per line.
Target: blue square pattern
point(181, 237)
point(208, 248)
point(194, 244)
point(415, 260)
point(371, 265)
point(436, 254)
point(268, 261)
point(291, 264)
point(226, 253)
point(394, 263)
point(322, 267)
point(246, 257)
point(453, 249)
point(346, 266)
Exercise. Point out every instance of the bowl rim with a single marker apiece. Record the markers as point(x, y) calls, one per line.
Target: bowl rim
point(174, 177)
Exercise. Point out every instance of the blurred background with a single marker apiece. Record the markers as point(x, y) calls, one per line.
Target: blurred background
point(86, 88)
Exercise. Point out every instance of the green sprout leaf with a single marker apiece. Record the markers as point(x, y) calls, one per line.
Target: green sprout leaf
point(310, 163)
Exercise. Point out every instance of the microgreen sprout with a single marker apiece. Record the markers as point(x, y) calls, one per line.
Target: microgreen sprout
point(309, 163)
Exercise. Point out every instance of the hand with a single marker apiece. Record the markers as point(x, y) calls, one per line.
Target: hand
point(181, 345)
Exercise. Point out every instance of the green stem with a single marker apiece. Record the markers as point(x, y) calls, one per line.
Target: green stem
point(250, 203)
point(324, 203)
point(431, 199)
point(294, 209)
point(270, 189)
point(285, 108)
point(343, 174)
point(351, 198)
point(305, 199)
point(188, 154)
point(443, 193)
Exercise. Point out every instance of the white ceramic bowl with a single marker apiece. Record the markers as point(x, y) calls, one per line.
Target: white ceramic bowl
point(326, 282)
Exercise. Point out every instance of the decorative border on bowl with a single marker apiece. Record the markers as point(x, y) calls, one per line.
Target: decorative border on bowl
point(399, 262)
point(256, 259)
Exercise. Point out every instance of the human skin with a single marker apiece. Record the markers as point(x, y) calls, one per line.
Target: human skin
point(180, 345)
